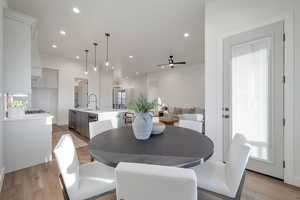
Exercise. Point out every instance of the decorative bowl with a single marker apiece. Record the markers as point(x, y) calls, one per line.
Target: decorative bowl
point(158, 128)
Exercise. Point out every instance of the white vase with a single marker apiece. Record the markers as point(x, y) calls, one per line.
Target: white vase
point(142, 126)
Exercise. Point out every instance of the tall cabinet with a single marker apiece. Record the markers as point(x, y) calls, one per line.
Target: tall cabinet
point(17, 52)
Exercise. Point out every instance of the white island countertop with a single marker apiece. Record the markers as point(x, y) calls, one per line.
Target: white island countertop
point(31, 117)
point(100, 111)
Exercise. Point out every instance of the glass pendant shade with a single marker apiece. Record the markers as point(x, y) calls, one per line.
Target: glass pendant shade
point(95, 66)
point(107, 35)
point(86, 62)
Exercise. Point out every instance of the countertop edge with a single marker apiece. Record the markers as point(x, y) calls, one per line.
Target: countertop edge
point(30, 117)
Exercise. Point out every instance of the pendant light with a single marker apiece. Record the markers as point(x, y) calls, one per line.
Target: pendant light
point(107, 35)
point(95, 45)
point(86, 62)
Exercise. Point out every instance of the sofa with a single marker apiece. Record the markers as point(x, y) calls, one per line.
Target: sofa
point(193, 114)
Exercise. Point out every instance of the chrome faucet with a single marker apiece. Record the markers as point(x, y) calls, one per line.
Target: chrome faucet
point(94, 100)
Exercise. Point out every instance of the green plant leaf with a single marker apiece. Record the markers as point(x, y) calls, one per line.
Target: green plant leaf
point(141, 105)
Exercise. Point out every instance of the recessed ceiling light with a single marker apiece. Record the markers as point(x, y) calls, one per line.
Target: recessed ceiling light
point(62, 32)
point(76, 10)
point(186, 35)
point(137, 73)
point(77, 57)
point(54, 46)
point(130, 56)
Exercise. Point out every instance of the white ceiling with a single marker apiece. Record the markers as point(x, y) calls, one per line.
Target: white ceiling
point(150, 30)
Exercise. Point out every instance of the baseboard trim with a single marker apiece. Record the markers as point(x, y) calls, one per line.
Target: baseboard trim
point(2, 173)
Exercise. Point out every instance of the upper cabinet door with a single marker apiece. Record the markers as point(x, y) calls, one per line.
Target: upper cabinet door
point(17, 52)
point(50, 77)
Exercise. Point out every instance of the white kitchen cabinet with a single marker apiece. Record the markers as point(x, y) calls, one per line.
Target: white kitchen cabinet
point(36, 68)
point(17, 52)
point(49, 79)
point(27, 141)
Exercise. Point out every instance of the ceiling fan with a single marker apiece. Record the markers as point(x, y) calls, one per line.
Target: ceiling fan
point(171, 63)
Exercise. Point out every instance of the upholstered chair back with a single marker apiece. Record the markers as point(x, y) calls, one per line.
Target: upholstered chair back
point(239, 153)
point(68, 163)
point(99, 127)
point(148, 182)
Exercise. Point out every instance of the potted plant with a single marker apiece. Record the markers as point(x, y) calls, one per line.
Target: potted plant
point(142, 124)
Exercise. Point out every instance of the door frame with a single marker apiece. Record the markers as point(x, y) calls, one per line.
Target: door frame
point(275, 31)
point(289, 174)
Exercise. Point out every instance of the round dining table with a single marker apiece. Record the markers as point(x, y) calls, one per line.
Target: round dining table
point(176, 146)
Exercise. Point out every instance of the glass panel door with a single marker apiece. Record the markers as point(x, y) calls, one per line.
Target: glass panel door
point(253, 100)
point(250, 95)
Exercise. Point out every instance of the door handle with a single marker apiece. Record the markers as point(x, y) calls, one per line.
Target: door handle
point(225, 109)
point(225, 116)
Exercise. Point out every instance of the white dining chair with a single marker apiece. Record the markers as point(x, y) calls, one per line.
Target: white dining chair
point(99, 127)
point(190, 124)
point(225, 180)
point(81, 181)
point(149, 182)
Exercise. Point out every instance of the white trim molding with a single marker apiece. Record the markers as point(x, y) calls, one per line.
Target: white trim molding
point(11, 14)
point(289, 154)
point(2, 173)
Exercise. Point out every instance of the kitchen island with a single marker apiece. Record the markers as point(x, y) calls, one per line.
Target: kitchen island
point(27, 141)
point(79, 119)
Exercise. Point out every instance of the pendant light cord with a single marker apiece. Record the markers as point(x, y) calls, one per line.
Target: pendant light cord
point(95, 44)
point(106, 47)
point(86, 59)
point(107, 36)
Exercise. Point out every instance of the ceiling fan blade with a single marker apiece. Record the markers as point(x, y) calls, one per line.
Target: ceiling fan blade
point(180, 63)
point(162, 65)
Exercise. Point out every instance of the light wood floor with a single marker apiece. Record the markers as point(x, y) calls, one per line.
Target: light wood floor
point(41, 182)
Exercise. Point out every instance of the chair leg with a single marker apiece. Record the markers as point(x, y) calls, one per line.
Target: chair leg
point(205, 194)
point(92, 159)
point(64, 191)
point(239, 192)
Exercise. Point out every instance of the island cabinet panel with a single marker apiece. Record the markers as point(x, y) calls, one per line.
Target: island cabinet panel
point(27, 142)
point(84, 124)
point(72, 119)
point(79, 122)
point(79, 119)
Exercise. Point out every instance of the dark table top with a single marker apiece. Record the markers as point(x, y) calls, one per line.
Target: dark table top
point(175, 147)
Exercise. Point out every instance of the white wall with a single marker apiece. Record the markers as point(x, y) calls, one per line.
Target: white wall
point(134, 87)
point(226, 18)
point(2, 3)
point(68, 70)
point(45, 99)
point(106, 86)
point(182, 86)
